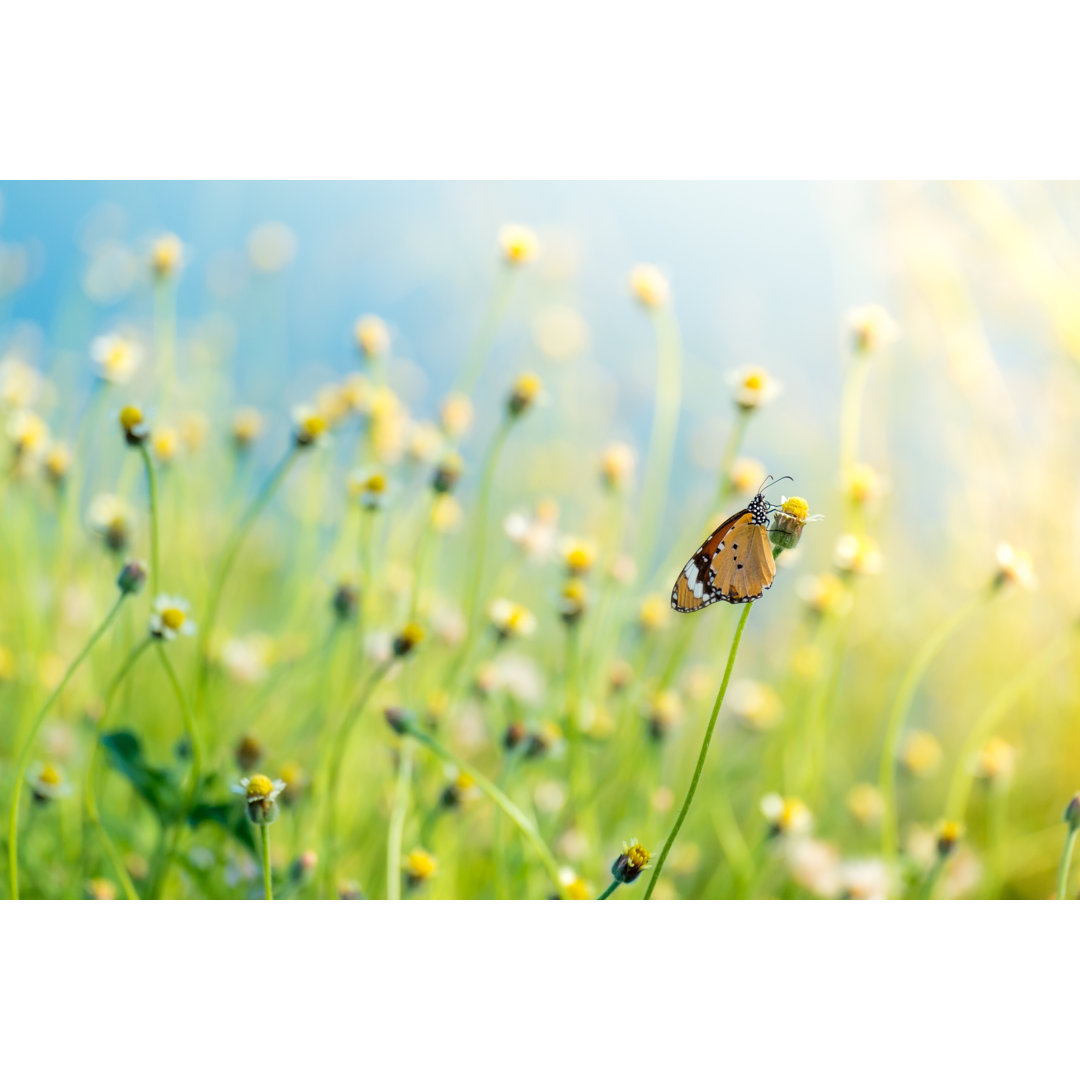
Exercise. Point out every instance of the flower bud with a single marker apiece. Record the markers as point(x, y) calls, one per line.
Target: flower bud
point(248, 753)
point(132, 577)
point(400, 720)
point(411, 635)
point(948, 837)
point(1072, 812)
point(133, 425)
point(788, 523)
point(346, 600)
point(628, 866)
point(525, 391)
point(447, 474)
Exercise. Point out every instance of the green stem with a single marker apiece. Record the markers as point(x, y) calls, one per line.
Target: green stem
point(932, 878)
point(480, 346)
point(89, 798)
point(151, 484)
point(501, 800)
point(28, 746)
point(724, 484)
point(615, 883)
point(1066, 859)
point(901, 705)
point(397, 823)
point(685, 809)
point(268, 880)
point(850, 411)
point(232, 549)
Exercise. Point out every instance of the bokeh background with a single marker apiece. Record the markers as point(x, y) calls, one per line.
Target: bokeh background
point(968, 420)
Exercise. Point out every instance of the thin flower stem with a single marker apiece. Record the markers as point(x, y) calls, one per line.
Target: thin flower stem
point(685, 809)
point(932, 878)
point(268, 878)
point(497, 796)
point(151, 486)
point(28, 746)
point(901, 705)
point(615, 883)
point(725, 485)
point(232, 549)
point(89, 798)
point(1066, 859)
point(480, 346)
point(397, 823)
point(850, 413)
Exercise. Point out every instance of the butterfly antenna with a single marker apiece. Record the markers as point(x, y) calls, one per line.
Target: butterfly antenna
point(765, 486)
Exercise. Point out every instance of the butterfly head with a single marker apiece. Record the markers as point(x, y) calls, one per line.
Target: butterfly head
point(759, 507)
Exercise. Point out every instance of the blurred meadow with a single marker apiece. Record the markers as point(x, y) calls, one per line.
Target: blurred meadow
point(339, 524)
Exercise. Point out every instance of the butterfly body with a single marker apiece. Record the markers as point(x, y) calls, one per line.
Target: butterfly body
point(735, 564)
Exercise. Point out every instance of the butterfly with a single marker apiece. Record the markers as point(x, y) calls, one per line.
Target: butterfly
point(735, 564)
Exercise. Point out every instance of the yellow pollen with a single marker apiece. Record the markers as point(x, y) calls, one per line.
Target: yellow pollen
point(796, 508)
point(172, 618)
point(376, 483)
point(49, 775)
point(753, 381)
point(412, 633)
point(260, 787)
point(637, 856)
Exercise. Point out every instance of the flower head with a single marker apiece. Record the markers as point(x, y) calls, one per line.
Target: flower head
point(920, 753)
point(446, 513)
point(372, 336)
point(653, 613)
point(447, 473)
point(511, 619)
point(523, 394)
point(58, 463)
point(753, 387)
point(857, 555)
point(260, 793)
point(649, 287)
point(866, 804)
point(247, 426)
point(756, 705)
point(132, 577)
point(948, 836)
point(368, 488)
point(628, 866)
point(578, 555)
point(166, 255)
point(518, 244)
point(346, 601)
point(823, 594)
point(573, 600)
point(166, 444)
point(248, 752)
point(116, 358)
point(29, 434)
point(996, 761)
point(872, 329)
point(271, 247)
point(617, 465)
point(456, 415)
point(420, 866)
point(789, 521)
point(664, 712)
point(747, 474)
point(110, 517)
point(863, 484)
point(1013, 567)
point(47, 783)
point(407, 639)
point(170, 618)
point(133, 425)
point(309, 426)
point(786, 816)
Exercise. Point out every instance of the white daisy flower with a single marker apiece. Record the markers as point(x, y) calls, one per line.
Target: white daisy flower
point(170, 618)
point(116, 357)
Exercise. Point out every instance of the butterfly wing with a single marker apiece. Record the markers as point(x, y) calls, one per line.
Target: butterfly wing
point(695, 588)
point(743, 568)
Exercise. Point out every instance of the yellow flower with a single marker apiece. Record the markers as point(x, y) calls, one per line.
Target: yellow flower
point(524, 393)
point(753, 387)
point(996, 761)
point(358, 393)
point(617, 465)
point(110, 517)
point(372, 336)
point(788, 522)
point(47, 783)
point(446, 513)
point(58, 462)
point(857, 555)
point(260, 794)
point(576, 888)
point(746, 475)
point(863, 484)
point(665, 711)
point(872, 329)
point(420, 866)
point(170, 618)
point(758, 706)
point(410, 635)
point(133, 425)
point(117, 358)
point(786, 816)
point(510, 619)
point(921, 753)
point(948, 836)
point(166, 443)
point(369, 488)
point(654, 612)
point(1014, 567)
point(247, 426)
point(456, 415)
point(166, 255)
point(518, 244)
point(29, 434)
point(866, 804)
point(573, 600)
point(649, 286)
point(628, 866)
point(331, 403)
point(100, 889)
point(309, 426)
point(578, 555)
point(824, 594)
point(20, 384)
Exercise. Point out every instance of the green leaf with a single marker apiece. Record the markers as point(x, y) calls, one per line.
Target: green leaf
point(229, 816)
point(157, 787)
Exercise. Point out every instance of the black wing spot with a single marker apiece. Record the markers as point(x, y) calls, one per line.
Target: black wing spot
point(740, 566)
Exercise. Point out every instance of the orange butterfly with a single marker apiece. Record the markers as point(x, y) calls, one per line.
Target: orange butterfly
point(735, 564)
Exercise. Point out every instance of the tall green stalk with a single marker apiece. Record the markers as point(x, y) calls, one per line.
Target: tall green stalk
point(151, 486)
point(695, 779)
point(397, 823)
point(28, 746)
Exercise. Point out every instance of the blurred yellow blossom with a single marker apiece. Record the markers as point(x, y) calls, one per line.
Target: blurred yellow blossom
point(753, 387)
point(617, 465)
point(996, 761)
point(786, 816)
point(920, 753)
point(372, 336)
point(649, 286)
point(456, 415)
point(866, 804)
point(1014, 567)
point(167, 255)
point(857, 555)
point(755, 704)
point(518, 244)
point(747, 475)
point(872, 329)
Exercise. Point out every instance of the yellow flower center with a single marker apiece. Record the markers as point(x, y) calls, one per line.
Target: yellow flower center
point(260, 787)
point(116, 357)
point(376, 483)
point(130, 417)
point(796, 508)
point(312, 426)
point(412, 634)
point(637, 856)
point(49, 775)
point(172, 618)
point(420, 864)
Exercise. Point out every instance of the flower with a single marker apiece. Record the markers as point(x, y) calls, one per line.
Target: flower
point(110, 517)
point(863, 484)
point(407, 639)
point(460, 790)
point(576, 887)
point(628, 866)
point(920, 753)
point(865, 879)
point(653, 613)
point(617, 465)
point(523, 394)
point(753, 387)
point(420, 866)
point(872, 329)
point(535, 535)
point(649, 287)
point(246, 658)
point(193, 427)
point(29, 434)
point(166, 443)
point(572, 601)
point(578, 555)
point(788, 522)
point(58, 463)
point(309, 426)
point(295, 780)
point(518, 244)
point(166, 255)
point(1013, 567)
point(372, 336)
point(786, 816)
point(511, 619)
point(133, 424)
point(132, 577)
point(100, 889)
point(996, 761)
point(117, 358)
point(823, 594)
point(866, 804)
point(1072, 812)
point(447, 473)
point(260, 794)
point(948, 836)
point(248, 752)
point(665, 711)
point(170, 618)
point(20, 384)
point(456, 415)
point(346, 600)
point(560, 332)
point(857, 555)
point(446, 513)
point(756, 705)
point(747, 474)
point(47, 784)
point(368, 487)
